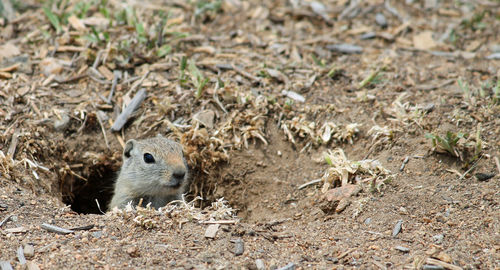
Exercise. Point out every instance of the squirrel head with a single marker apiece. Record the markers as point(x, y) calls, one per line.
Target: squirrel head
point(154, 167)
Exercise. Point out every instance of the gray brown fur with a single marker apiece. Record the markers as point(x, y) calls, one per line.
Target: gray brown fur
point(158, 182)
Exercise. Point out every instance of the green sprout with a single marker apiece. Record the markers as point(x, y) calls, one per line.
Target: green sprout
point(199, 81)
point(447, 143)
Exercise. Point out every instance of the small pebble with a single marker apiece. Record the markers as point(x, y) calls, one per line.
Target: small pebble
point(402, 249)
point(333, 259)
point(97, 234)
point(29, 251)
point(133, 252)
point(397, 228)
point(438, 238)
point(239, 247)
point(368, 221)
point(368, 35)
point(61, 124)
point(381, 20)
point(260, 264)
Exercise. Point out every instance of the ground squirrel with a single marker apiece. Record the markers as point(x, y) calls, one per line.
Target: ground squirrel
point(153, 169)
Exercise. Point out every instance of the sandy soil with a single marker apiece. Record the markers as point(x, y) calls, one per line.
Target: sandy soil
point(433, 70)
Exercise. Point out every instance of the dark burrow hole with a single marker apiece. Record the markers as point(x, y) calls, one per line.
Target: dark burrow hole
point(90, 196)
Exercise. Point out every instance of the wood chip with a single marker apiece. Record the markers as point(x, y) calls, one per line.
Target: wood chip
point(5, 220)
point(20, 255)
point(76, 23)
point(10, 68)
point(211, 230)
point(9, 50)
point(5, 265)
point(16, 230)
point(443, 264)
point(125, 114)
point(424, 41)
point(106, 72)
point(219, 222)
point(67, 49)
point(55, 229)
point(5, 75)
point(397, 228)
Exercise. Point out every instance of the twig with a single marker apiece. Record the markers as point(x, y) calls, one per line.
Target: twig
point(83, 228)
point(137, 84)
point(234, 221)
point(346, 253)
point(102, 129)
point(246, 74)
point(99, 206)
point(116, 75)
point(127, 112)
point(392, 10)
point(405, 161)
point(13, 144)
point(497, 163)
point(55, 229)
point(5, 220)
point(97, 59)
point(471, 168)
point(309, 183)
point(216, 98)
point(349, 10)
point(442, 264)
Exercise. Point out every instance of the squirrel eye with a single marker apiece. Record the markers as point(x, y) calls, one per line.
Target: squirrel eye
point(148, 158)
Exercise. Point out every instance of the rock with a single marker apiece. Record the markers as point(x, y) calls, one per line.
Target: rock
point(97, 234)
point(260, 264)
point(206, 118)
point(61, 124)
point(211, 230)
point(239, 247)
point(438, 238)
point(381, 20)
point(29, 251)
point(338, 196)
point(133, 252)
point(368, 221)
point(30, 265)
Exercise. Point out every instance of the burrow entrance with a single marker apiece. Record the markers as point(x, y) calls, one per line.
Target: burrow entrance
point(260, 182)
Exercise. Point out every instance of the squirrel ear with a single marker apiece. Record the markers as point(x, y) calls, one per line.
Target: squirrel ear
point(128, 147)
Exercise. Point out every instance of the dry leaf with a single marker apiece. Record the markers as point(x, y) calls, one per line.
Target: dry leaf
point(424, 41)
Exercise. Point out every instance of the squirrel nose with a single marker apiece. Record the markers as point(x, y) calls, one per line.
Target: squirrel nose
point(179, 174)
